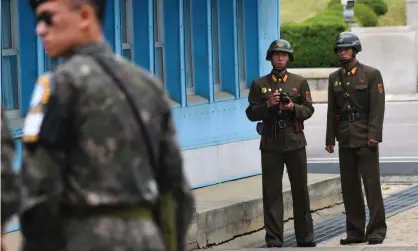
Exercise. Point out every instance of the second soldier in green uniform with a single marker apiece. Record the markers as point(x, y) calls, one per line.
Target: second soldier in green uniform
point(282, 101)
point(356, 107)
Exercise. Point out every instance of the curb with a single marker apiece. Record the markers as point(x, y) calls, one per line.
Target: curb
point(321, 97)
point(219, 225)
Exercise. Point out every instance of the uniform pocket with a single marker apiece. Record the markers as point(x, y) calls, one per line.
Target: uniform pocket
point(296, 98)
point(361, 87)
point(361, 94)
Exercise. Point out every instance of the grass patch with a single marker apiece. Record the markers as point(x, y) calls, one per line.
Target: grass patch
point(299, 10)
point(396, 16)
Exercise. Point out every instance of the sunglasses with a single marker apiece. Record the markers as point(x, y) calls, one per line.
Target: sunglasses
point(46, 17)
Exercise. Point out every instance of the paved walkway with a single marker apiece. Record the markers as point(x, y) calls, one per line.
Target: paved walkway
point(235, 208)
point(402, 227)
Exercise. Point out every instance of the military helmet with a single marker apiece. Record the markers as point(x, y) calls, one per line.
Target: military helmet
point(280, 45)
point(347, 40)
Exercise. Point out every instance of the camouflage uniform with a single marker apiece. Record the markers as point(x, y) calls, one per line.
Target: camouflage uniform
point(92, 167)
point(10, 182)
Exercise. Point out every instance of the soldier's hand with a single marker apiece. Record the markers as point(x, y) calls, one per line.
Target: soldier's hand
point(329, 148)
point(273, 100)
point(372, 142)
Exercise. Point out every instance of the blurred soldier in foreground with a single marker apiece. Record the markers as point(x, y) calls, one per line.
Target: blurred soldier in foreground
point(10, 182)
point(108, 171)
point(356, 107)
point(282, 100)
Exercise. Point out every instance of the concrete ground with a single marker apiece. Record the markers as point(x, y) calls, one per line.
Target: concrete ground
point(229, 215)
point(234, 208)
point(402, 229)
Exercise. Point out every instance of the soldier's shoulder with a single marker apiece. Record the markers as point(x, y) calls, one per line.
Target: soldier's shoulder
point(296, 77)
point(334, 74)
point(76, 67)
point(145, 80)
point(260, 80)
point(76, 64)
point(369, 69)
point(150, 87)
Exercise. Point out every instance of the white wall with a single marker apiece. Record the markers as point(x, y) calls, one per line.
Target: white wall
point(393, 50)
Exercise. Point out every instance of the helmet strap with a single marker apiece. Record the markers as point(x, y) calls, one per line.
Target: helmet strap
point(279, 71)
point(344, 63)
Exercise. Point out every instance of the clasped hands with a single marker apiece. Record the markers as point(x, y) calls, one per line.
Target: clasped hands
point(274, 100)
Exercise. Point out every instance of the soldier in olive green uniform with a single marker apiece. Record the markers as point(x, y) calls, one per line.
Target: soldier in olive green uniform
point(356, 106)
point(282, 101)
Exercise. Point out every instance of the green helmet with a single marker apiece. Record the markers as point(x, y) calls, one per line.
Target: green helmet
point(347, 40)
point(280, 45)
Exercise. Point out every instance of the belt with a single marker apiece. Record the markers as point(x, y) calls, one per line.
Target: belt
point(121, 212)
point(353, 116)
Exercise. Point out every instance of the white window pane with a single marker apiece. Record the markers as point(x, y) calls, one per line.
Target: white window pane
point(159, 63)
point(123, 21)
point(127, 54)
point(241, 39)
point(188, 46)
point(215, 43)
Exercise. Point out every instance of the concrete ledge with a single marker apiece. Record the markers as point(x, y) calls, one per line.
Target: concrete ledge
point(393, 168)
point(321, 96)
point(313, 73)
point(220, 224)
point(389, 29)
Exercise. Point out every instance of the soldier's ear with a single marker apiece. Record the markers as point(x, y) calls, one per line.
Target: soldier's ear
point(87, 15)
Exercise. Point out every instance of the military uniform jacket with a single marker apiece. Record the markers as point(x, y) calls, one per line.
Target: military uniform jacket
point(10, 181)
point(288, 138)
point(107, 161)
point(365, 86)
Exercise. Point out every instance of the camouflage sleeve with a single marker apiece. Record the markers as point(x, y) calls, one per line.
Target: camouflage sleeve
point(42, 180)
point(177, 202)
point(330, 131)
point(304, 110)
point(257, 109)
point(377, 106)
point(10, 182)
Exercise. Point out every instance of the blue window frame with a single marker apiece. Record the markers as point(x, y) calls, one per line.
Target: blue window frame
point(159, 62)
point(10, 82)
point(50, 63)
point(127, 28)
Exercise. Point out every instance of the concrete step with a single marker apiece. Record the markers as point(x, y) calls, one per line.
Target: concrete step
point(234, 208)
point(321, 96)
point(229, 209)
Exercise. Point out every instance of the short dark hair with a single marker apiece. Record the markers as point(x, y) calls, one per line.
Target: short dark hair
point(98, 5)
